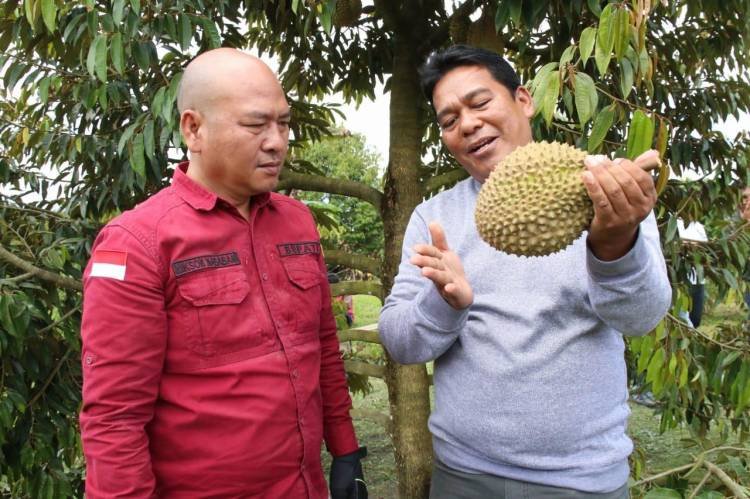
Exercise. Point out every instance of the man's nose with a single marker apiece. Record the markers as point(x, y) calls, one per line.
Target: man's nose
point(276, 138)
point(469, 123)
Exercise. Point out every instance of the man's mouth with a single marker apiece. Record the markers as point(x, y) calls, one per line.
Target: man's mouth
point(481, 145)
point(271, 167)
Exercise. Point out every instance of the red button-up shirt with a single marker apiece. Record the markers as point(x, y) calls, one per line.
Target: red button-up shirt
point(210, 359)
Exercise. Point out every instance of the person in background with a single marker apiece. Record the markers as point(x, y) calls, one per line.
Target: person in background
point(529, 374)
point(693, 233)
point(211, 366)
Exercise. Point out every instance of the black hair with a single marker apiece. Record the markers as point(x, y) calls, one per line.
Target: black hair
point(439, 63)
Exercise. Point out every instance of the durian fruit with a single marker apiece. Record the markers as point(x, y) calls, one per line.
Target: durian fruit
point(347, 12)
point(534, 203)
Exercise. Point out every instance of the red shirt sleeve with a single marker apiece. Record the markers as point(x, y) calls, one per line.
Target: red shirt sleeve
point(338, 430)
point(124, 331)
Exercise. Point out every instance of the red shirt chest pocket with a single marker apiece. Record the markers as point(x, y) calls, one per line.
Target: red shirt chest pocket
point(305, 293)
point(217, 315)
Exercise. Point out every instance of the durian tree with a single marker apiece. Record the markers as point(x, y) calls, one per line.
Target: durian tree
point(88, 128)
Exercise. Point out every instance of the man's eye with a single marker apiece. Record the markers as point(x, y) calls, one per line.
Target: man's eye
point(481, 104)
point(447, 123)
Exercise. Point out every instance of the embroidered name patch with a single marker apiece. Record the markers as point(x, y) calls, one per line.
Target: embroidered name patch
point(301, 248)
point(183, 267)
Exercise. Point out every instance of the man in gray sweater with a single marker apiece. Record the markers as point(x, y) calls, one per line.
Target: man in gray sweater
point(530, 381)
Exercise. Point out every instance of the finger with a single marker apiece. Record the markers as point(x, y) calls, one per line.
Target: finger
point(440, 277)
point(438, 236)
point(610, 198)
point(625, 174)
point(602, 207)
point(643, 178)
point(427, 250)
point(422, 261)
point(648, 160)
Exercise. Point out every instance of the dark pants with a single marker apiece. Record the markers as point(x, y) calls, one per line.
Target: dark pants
point(448, 483)
point(698, 297)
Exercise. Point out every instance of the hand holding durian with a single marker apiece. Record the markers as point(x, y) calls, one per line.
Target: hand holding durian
point(538, 200)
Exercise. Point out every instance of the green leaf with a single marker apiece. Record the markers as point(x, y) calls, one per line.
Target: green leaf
point(100, 61)
point(117, 53)
point(118, 9)
point(141, 54)
point(595, 7)
point(551, 91)
point(586, 97)
point(43, 89)
point(211, 32)
point(28, 7)
point(185, 32)
point(137, 157)
point(136, 5)
point(626, 78)
point(91, 57)
point(605, 38)
point(730, 358)
point(567, 55)
point(148, 139)
point(49, 14)
point(541, 76)
point(671, 229)
point(730, 279)
point(602, 124)
point(640, 135)
point(125, 137)
point(662, 493)
point(515, 7)
point(621, 31)
point(158, 103)
point(586, 44)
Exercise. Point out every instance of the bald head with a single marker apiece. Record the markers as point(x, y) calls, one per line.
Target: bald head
point(214, 76)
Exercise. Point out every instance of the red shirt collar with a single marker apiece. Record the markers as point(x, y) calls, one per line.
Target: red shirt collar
point(198, 196)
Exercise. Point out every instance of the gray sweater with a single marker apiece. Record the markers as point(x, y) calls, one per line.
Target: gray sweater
point(530, 380)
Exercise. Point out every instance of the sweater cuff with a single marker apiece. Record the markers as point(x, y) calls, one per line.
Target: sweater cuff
point(629, 263)
point(340, 439)
point(436, 310)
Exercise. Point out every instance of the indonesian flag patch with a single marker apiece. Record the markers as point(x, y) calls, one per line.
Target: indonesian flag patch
point(108, 263)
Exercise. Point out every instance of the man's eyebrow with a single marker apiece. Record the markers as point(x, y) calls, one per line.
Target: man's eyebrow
point(466, 97)
point(265, 116)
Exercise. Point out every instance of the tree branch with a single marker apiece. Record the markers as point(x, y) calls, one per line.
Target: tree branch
point(318, 183)
point(352, 261)
point(452, 176)
point(49, 378)
point(728, 482)
point(45, 275)
point(368, 334)
point(364, 368)
point(372, 288)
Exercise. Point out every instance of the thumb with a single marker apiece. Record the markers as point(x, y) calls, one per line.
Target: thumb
point(438, 236)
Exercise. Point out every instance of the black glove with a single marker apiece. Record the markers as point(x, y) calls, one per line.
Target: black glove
point(346, 479)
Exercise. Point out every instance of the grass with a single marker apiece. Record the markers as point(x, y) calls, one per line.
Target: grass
point(662, 451)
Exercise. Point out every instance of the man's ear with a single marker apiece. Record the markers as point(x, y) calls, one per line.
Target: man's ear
point(190, 127)
point(524, 99)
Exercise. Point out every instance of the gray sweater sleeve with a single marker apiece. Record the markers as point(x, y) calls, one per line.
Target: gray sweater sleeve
point(416, 325)
point(632, 294)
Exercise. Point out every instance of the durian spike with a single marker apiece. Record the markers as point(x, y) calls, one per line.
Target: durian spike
point(534, 203)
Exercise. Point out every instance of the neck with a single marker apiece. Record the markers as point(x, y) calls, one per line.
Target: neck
point(196, 174)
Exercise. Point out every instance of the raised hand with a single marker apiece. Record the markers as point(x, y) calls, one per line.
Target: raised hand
point(623, 194)
point(443, 267)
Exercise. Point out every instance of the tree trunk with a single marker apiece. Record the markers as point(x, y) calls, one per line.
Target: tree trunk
point(408, 388)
